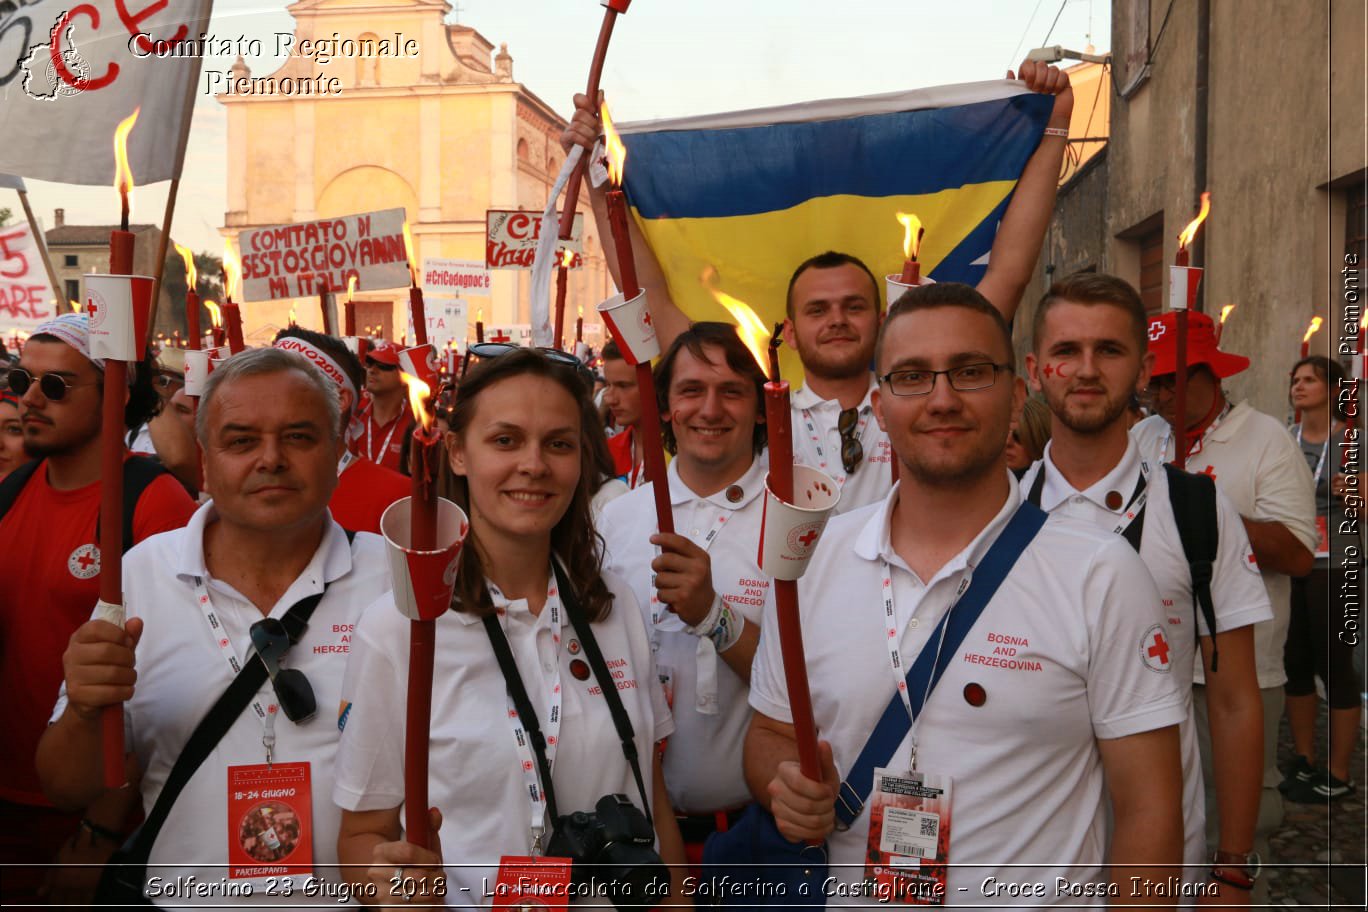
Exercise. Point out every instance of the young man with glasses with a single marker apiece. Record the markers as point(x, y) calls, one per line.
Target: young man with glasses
point(1088, 358)
point(701, 589)
point(50, 571)
point(1047, 705)
point(1259, 467)
point(385, 419)
point(202, 602)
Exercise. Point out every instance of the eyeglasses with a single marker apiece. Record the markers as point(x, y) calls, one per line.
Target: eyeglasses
point(292, 688)
point(965, 379)
point(53, 386)
point(852, 451)
point(485, 350)
point(378, 366)
point(1168, 382)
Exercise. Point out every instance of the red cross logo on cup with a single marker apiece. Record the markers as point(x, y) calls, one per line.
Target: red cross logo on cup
point(808, 537)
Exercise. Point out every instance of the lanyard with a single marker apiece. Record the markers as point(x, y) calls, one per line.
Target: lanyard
point(1320, 463)
point(895, 656)
point(536, 792)
point(1195, 446)
point(347, 459)
point(267, 715)
point(384, 446)
point(810, 423)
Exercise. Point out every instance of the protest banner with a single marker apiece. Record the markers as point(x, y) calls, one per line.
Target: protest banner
point(26, 298)
point(297, 261)
point(455, 278)
point(511, 239)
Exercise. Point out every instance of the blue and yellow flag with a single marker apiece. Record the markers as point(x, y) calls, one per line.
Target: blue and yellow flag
point(753, 194)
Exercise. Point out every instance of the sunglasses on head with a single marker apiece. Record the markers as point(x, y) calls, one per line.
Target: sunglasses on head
point(293, 691)
point(487, 350)
point(54, 387)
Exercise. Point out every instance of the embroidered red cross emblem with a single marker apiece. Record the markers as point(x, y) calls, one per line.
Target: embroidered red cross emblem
point(1209, 471)
point(1160, 649)
point(85, 560)
point(808, 537)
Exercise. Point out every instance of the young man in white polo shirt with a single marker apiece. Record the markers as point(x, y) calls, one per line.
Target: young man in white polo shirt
point(269, 425)
point(1051, 688)
point(1089, 357)
point(704, 610)
point(1259, 467)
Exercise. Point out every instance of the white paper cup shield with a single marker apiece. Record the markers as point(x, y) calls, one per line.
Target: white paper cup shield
point(1183, 283)
point(789, 532)
point(198, 366)
point(423, 580)
point(117, 306)
point(894, 286)
point(631, 325)
point(420, 361)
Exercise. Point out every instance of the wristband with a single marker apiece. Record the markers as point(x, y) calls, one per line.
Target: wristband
point(1057, 131)
point(722, 625)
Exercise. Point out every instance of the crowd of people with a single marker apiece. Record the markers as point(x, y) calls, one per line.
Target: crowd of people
point(1023, 611)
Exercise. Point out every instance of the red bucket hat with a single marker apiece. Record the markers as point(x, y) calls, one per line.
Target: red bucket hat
point(384, 353)
point(1201, 347)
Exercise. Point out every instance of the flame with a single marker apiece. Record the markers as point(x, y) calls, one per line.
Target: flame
point(123, 174)
point(215, 317)
point(418, 393)
point(567, 258)
point(1363, 323)
point(612, 145)
point(75, 305)
point(479, 315)
point(232, 270)
point(292, 315)
point(351, 287)
point(1186, 236)
point(912, 235)
point(191, 276)
point(752, 330)
point(1225, 312)
point(408, 252)
point(1312, 329)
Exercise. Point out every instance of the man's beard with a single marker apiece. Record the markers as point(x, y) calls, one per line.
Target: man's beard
point(1087, 423)
point(976, 465)
point(815, 362)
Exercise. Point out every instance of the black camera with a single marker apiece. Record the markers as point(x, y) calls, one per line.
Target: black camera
point(614, 853)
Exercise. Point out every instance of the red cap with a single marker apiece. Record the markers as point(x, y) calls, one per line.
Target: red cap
point(1201, 347)
point(384, 353)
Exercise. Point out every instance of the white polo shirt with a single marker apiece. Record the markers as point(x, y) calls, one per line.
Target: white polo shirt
point(1258, 466)
point(817, 443)
point(1059, 652)
point(703, 760)
point(182, 673)
point(1237, 593)
point(476, 778)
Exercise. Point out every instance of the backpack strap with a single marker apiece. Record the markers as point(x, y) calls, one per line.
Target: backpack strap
point(13, 483)
point(138, 473)
point(1193, 498)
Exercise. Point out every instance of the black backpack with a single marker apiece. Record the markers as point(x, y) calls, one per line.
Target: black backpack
point(138, 473)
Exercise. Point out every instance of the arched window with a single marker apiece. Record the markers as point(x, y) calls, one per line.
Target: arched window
point(524, 153)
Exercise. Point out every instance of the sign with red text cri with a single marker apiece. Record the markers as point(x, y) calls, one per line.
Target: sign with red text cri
point(299, 260)
point(25, 295)
point(511, 239)
point(70, 70)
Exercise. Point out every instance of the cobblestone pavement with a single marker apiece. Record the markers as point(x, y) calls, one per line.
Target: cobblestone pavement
point(1320, 850)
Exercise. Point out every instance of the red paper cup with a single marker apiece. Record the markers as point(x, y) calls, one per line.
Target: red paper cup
point(1183, 283)
point(118, 306)
point(631, 325)
point(423, 580)
point(421, 362)
point(789, 532)
point(894, 286)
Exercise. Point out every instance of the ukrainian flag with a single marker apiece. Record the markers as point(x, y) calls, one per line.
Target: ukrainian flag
point(754, 193)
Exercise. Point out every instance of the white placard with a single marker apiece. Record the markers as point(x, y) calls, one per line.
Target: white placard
point(294, 261)
point(25, 295)
point(455, 278)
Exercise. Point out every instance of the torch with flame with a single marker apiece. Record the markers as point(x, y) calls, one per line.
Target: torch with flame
point(349, 308)
point(1183, 284)
point(613, 149)
point(123, 173)
point(417, 311)
point(1189, 233)
point(232, 282)
point(912, 238)
point(192, 301)
point(1220, 326)
point(1311, 329)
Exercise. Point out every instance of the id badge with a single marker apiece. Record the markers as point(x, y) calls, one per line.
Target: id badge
point(909, 837)
point(1322, 537)
point(527, 883)
point(270, 821)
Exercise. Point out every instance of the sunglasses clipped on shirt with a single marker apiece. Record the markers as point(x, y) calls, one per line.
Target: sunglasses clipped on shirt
point(293, 691)
point(852, 451)
point(54, 387)
point(486, 350)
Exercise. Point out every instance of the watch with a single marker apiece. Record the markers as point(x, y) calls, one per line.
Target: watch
point(1236, 869)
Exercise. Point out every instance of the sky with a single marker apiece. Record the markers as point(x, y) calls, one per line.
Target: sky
point(668, 58)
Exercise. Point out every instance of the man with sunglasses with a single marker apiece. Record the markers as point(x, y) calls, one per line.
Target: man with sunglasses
point(701, 590)
point(50, 567)
point(1047, 705)
point(203, 602)
point(385, 419)
point(1259, 467)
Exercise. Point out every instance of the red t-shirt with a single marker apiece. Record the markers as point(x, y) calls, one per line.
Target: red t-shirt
point(620, 445)
point(49, 583)
point(364, 491)
point(381, 444)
